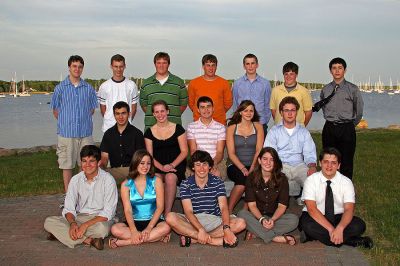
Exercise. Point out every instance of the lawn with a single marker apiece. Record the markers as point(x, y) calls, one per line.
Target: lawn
point(376, 178)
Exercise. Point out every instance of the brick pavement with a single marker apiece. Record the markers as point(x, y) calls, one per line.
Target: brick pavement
point(23, 242)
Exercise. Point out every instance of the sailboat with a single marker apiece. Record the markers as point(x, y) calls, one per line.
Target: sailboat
point(24, 93)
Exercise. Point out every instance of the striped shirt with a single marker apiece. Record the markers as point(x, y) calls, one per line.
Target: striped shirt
point(111, 92)
point(173, 92)
point(206, 136)
point(203, 200)
point(74, 106)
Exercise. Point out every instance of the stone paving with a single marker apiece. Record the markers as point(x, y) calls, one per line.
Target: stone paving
point(23, 242)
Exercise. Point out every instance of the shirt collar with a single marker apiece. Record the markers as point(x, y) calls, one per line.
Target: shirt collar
point(334, 180)
point(204, 125)
point(246, 78)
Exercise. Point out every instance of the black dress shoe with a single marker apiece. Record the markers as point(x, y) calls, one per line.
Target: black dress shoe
point(98, 243)
point(51, 237)
point(359, 241)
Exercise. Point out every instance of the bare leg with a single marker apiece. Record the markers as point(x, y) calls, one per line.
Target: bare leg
point(281, 239)
point(169, 192)
point(159, 232)
point(235, 196)
point(67, 175)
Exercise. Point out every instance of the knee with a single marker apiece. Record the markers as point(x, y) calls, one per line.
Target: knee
point(243, 213)
point(49, 222)
point(292, 220)
point(171, 219)
point(171, 179)
point(357, 226)
point(239, 225)
point(101, 229)
point(115, 230)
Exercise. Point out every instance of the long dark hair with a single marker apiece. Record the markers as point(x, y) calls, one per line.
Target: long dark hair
point(237, 117)
point(136, 159)
point(256, 176)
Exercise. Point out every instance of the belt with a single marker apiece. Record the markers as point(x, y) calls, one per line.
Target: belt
point(339, 123)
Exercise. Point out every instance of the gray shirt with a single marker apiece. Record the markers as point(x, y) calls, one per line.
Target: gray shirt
point(98, 197)
point(345, 106)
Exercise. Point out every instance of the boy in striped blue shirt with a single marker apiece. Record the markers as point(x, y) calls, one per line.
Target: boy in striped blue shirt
point(73, 103)
point(206, 218)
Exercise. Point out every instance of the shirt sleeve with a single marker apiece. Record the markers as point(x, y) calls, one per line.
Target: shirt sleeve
point(358, 106)
point(309, 149)
point(349, 194)
point(270, 140)
point(101, 95)
point(134, 94)
point(192, 96)
point(307, 101)
point(250, 195)
point(284, 192)
point(143, 97)
point(309, 189)
point(179, 130)
point(183, 96)
point(222, 133)
point(71, 198)
point(105, 141)
point(235, 94)
point(148, 134)
point(139, 140)
point(93, 98)
point(110, 198)
point(221, 192)
point(190, 133)
point(184, 190)
point(272, 101)
point(55, 99)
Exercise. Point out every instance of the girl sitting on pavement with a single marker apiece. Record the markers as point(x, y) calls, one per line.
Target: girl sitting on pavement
point(142, 195)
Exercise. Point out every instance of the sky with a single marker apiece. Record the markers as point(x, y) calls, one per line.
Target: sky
point(38, 36)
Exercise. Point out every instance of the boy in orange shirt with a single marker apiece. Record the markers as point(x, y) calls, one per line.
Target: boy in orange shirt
point(213, 86)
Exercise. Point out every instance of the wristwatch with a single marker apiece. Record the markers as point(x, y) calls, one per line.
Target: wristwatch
point(226, 226)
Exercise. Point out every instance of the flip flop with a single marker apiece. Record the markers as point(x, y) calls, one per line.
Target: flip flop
point(187, 241)
point(249, 235)
point(112, 243)
point(290, 239)
point(226, 245)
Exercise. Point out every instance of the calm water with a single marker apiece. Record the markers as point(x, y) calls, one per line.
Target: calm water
point(28, 121)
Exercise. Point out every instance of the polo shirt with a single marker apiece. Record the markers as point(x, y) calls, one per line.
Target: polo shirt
point(203, 200)
point(301, 94)
point(315, 187)
point(111, 92)
point(173, 92)
point(267, 197)
point(75, 106)
point(206, 136)
point(258, 91)
point(121, 146)
point(219, 90)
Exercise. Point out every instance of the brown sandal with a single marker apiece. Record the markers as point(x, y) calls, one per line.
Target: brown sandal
point(290, 239)
point(112, 242)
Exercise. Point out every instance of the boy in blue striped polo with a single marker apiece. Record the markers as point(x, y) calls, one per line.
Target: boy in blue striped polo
point(206, 218)
point(73, 103)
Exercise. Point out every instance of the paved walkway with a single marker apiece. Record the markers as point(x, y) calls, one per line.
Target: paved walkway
point(23, 242)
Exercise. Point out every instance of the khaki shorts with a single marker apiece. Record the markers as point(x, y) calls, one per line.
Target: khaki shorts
point(210, 222)
point(118, 172)
point(68, 151)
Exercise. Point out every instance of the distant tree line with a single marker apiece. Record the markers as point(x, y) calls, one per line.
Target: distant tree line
point(49, 85)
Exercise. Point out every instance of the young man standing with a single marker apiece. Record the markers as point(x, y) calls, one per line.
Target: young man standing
point(254, 88)
point(213, 86)
point(90, 205)
point(163, 86)
point(291, 88)
point(330, 202)
point(208, 135)
point(294, 145)
point(73, 103)
point(342, 113)
point(116, 89)
point(120, 142)
point(206, 218)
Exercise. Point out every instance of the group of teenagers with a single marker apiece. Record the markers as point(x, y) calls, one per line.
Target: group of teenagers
point(266, 166)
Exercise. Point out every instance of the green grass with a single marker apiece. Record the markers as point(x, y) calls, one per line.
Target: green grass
point(376, 178)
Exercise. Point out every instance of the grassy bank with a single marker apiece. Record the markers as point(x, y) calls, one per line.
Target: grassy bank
point(376, 178)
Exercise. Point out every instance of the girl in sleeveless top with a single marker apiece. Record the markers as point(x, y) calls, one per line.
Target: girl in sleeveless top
point(142, 195)
point(166, 142)
point(244, 140)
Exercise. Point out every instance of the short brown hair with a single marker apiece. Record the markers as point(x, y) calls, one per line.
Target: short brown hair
point(289, 99)
point(162, 55)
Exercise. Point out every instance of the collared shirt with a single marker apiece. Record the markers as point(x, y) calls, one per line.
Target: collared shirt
point(121, 146)
point(315, 188)
point(74, 106)
point(173, 92)
point(301, 94)
point(345, 106)
point(293, 149)
point(111, 92)
point(206, 136)
point(204, 200)
point(98, 197)
point(267, 197)
point(258, 91)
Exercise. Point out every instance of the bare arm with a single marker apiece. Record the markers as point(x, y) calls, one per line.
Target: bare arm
point(279, 212)
point(133, 110)
point(307, 117)
point(125, 197)
point(192, 145)
point(259, 144)
point(220, 152)
point(184, 150)
point(144, 108)
point(104, 160)
point(103, 109)
point(318, 216)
